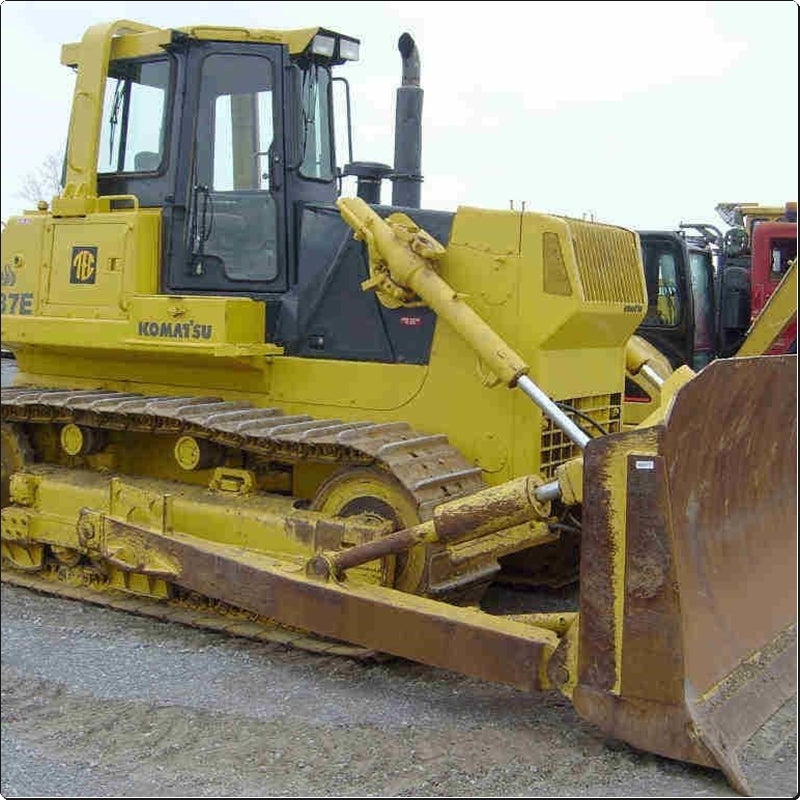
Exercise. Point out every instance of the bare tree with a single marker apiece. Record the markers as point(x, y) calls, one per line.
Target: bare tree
point(45, 181)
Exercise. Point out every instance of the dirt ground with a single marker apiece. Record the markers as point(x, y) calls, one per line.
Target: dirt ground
point(99, 703)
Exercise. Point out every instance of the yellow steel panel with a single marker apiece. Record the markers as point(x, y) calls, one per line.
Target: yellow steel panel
point(570, 373)
point(94, 262)
point(87, 268)
point(75, 339)
point(295, 40)
point(22, 244)
point(342, 385)
point(487, 231)
point(151, 42)
point(202, 320)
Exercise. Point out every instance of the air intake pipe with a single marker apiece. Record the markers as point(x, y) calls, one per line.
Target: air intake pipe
point(406, 178)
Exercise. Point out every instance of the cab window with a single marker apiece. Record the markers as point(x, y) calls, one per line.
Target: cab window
point(661, 274)
point(134, 116)
point(316, 124)
point(701, 272)
point(782, 252)
point(242, 137)
point(234, 217)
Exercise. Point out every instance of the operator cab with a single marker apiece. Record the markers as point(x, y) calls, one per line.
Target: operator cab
point(680, 313)
point(228, 134)
point(230, 138)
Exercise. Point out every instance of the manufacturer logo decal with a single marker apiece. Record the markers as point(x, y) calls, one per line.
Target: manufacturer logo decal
point(9, 276)
point(173, 330)
point(83, 268)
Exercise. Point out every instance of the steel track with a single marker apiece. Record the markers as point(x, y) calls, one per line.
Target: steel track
point(428, 467)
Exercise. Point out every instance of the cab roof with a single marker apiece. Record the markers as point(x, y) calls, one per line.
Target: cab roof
point(142, 40)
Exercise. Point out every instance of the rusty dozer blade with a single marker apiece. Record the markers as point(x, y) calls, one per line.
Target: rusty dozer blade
point(688, 596)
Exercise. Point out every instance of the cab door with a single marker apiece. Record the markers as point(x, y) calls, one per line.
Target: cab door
point(229, 227)
point(669, 324)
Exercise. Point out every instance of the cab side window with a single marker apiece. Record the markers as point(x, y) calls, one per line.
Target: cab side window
point(661, 275)
point(134, 116)
point(782, 253)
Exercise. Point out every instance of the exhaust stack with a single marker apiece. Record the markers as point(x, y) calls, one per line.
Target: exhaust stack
point(406, 179)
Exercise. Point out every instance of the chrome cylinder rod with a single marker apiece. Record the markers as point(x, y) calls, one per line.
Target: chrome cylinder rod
point(547, 492)
point(652, 375)
point(553, 412)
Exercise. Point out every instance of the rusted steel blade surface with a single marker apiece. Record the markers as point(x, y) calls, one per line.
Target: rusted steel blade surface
point(731, 452)
point(429, 631)
point(689, 577)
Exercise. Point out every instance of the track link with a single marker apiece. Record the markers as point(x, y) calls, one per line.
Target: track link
point(427, 466)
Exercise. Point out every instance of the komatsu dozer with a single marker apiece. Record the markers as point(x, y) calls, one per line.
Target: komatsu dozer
point(353, 419)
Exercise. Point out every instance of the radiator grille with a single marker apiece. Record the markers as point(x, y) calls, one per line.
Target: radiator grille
point(557, 448)
point(609, 263)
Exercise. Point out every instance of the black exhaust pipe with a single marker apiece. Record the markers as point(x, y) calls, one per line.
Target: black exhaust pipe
point(406, 179)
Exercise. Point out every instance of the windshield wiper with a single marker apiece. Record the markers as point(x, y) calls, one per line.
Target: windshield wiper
point(119, 94)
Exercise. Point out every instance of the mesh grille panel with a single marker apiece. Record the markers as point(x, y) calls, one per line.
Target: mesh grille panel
point(608, 263)
point(556, 446)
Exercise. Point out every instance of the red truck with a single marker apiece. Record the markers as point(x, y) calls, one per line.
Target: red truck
point(754, 257)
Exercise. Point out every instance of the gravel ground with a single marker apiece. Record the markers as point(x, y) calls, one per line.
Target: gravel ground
point(98, 703)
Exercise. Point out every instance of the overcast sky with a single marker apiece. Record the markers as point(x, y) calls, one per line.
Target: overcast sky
point(642, 114)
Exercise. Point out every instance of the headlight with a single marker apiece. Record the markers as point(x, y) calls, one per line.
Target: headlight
point(348, 49)
point(323, 45)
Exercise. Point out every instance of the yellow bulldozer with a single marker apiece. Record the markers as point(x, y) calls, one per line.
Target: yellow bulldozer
point(236, 384)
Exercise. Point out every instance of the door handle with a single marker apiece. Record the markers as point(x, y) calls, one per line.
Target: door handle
point(273, 168)
point(274, 173)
